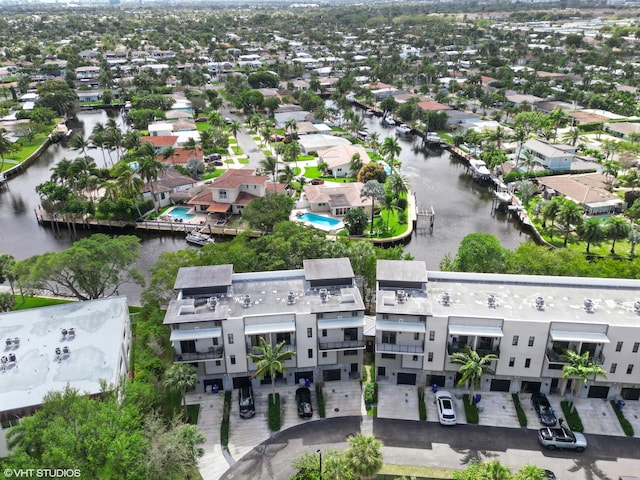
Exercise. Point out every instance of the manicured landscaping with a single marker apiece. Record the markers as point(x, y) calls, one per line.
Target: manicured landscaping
point(193, 411)
point(414, 471)
point(627, 428)
point(522, 417)
point(320, 400)
point(274, 413)
point(571, 416)
point(224, 424)
point(37, 302)
point(470, 409)
point(422, 407)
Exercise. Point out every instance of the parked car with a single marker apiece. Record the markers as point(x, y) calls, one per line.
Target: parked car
point(303, 400)
point(562, 437)
point(246, 402)
point(213, 157)
point(446, 408)
point(543, 409)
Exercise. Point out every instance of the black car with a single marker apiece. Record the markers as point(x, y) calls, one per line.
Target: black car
point(303, 399)
point(245, 401)
point(213, 157)
point(543, 409)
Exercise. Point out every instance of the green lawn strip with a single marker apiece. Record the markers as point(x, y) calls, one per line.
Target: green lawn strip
point(312, 172)
point(422, 407)
point(193, 411)
point(236, 150)
point(37, 302)
point(266, 152)
point(215, 174)
point(522, 417)
point(274, 413)
point(320, 400)
point(470, 409)
point(572, 416)
point(243, 160)
point(417, 471)
point(306, 158)
point(224, 424)
point(627, 428)
point(202, 126)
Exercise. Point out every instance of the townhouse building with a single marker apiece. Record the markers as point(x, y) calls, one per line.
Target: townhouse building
point(529, 322)
point(219, 316)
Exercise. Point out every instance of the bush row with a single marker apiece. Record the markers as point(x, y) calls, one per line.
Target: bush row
point(224, 425)
point(522, 417)
point(624, 423)
point(470, 409)
point(422, 407)
point(320, 400)
point(274, 412)
point(515, 176)
point(571, 416)
point(371, 393)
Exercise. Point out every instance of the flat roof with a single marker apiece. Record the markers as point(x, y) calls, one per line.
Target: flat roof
point(407, 271)
point(327, 268)
point(205, 276)
point(95, 349)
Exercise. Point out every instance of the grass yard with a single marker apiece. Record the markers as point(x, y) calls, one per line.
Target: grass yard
point(236, 149)
point(409, 471)
point(243, 161)
point(387, 224)
point(312, 172)
point(36, 302)
point(215, 174)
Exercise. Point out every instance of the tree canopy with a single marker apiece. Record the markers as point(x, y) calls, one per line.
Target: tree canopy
point(264, 212)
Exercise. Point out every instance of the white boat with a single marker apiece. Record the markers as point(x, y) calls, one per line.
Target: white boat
point(197, 238)
point(433, 137)
point(403, 130)
point(479, 169)
point(389, 122)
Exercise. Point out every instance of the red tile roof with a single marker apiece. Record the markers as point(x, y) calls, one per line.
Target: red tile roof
point(161, 140)
point(234, 178)
point(181, 156)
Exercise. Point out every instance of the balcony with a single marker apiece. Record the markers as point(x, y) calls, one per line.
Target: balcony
point(214, 353)
point(555, 357)
point(481, 351)
point(257, 351)
point(344, 345)
point(398, 348)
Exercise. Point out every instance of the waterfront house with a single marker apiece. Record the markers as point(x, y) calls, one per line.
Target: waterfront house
point(312, 143)
point(170, 187)
point(338, 159)
point(629, 131)
point(551, 156)
point(336, 198)
point(160, 143)
point(590, 190)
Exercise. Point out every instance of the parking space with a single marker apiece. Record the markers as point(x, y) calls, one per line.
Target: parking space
point(597, 416)
point(246, 433)
point(398, 401)
point(342, 399)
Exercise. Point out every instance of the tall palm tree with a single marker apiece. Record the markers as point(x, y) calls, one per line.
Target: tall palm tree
point(113, 142)
point(149, 168)
point(497, 136)
point(97, 139)
point(373, 190)
point(374, 140)
point(234, 128)
point(569, 215)
point(390, 149)
point(580, 366)
point(591, 231)
point(270, 165)
point(128, 183)
point(364, 456)
point(291, 127)
point(634, 239)
point(473, 367)
point(131, 140)
point(181, 377)
point(78, 142)
point(355, 164)
point(397, 184)
point(616, 228)
point(572, 136)
point(270, 361)
point(6, 146)
point(292, 152)
point(169, 153)
point(530, 472)
point(286, 176)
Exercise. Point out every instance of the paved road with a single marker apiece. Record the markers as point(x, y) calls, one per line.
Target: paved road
point(427, 443)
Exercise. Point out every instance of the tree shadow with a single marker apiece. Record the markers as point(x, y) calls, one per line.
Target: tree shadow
point(590, 469)
point(470, 455)
point(258, 462)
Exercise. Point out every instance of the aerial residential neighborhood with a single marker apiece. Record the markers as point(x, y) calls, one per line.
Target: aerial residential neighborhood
point(320, 240)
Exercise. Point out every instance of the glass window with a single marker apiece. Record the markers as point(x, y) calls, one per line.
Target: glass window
point(635, 347)
point(613, 368)
point(527, 362)
point(310, 353)
point(389, 356)
point(230, 338)
point(324, 332)
point(432, 335)
point(531, 340)
point(233, 359)
point(515, 339)
point(309, 332)
point(630, 369)
point(389, 337)
point(619, 346)
point(512, 361)
point(430, 357)
point(416, 336)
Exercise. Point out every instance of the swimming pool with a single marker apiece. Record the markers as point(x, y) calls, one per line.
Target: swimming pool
point(181, 212)
point(320, 221)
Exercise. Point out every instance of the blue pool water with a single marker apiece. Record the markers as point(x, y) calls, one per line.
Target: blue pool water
point(386, 167)
point(181, 212)
point(319, 220)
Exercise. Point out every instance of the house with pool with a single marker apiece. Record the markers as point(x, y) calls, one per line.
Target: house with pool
point(338, 159)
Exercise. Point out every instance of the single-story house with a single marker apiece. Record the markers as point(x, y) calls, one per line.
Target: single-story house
point(629, 131)
point(312, 143)
point(160, 143)
point(87, 96)
point(338, 158)
point(586, 189)
point(169, 182)
point(337, 198)
point(282, 118)
point(181, 156)
point(433, 106)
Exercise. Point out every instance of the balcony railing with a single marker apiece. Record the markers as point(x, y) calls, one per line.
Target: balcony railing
point(481, 351)
point(257, 351)
point(345, 345)
point(213, 353)
point(555, 357)
point(398, 348)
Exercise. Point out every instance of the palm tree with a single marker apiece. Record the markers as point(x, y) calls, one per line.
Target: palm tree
point(287, 175)
point(149, 168)
point(77, 142)
point(168, 153)
point(390, 149)
point(5, 146)
point(473, 367)
point(181, 377)
point(364, 456)
point(580, 366)
point(234, 128)
point(529, 160)
point(292, 152)
point(291, 127)
point(591, 231)
point(572, 136)
point(569, 214)
point(355, 164)
point(616, 228)
point(497, 136)
point(373, 190)
point(634, 238)
point(131, 140)
point(128, 183)
point(270, 361)
point(530, 472)
point(270, 165)
point(397, 184)
point(374, 140)
point(550, 210)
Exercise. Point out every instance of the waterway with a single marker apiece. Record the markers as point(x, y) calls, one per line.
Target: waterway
point(461, 206)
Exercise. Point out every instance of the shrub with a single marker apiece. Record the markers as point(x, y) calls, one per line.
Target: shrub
point(224, 425)
point(422, 407)
point(522, 417)
point(571, 416)
point(470, 409)
point(274, 412)
point(371, 393)
point(320, 400)
point(627, 428)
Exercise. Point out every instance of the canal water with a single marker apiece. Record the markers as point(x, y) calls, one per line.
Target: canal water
point(461, 206)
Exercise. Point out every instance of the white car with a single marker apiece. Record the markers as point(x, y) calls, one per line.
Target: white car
point(446, 408)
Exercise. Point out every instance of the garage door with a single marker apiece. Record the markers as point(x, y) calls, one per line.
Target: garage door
point(500, 385)
point(303, 376)
point(212, 382)
point(331, 375)
point(530, 387)
point(406, 378)
point(630, 393)
point(241, 382)
point(598, 392)
point(436, 380)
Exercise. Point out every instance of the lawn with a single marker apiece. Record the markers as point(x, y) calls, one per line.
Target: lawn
point(408, 471)
point(394, 227)
point(312, 172)
point(36, 302)
point(236, 150)
point(215, 174)
point(243, 160)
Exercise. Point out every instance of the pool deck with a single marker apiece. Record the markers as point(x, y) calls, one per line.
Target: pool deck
point(296, 213)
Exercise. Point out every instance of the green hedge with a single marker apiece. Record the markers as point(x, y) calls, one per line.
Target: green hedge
point(522, 417)
point(624, 423)
point(470, 409)
point(224, 425)
point(515, 176)
point(571, 416)
point(371, 393)
point(320, 400)
point(274, 412)
point(422, 407)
